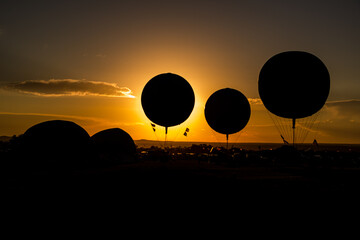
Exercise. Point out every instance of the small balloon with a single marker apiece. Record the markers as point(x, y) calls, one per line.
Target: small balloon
point(114, 145)
point(114, 140)
point(167, 99)
point(227, 111)
point(294, 84)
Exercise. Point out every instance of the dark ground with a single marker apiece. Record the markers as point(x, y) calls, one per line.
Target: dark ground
point(185, 194)
point(254, 181)
point(190, 179)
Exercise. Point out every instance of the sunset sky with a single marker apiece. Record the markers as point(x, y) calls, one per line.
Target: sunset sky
point(88, 61)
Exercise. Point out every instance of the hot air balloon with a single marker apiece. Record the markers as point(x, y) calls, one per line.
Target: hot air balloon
point(114, 146)
point(227, 111)
point(167, 100)
point(57, 144)
point(294, 85)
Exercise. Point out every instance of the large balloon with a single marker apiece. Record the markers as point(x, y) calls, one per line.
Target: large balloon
point(167, 99)
point(57, 142)
point(294, 84)
point(227, 111)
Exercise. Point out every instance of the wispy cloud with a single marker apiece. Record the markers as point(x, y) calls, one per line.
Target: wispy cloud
point(348, 101)
point(69, 87)
point(58, 116)
point(344, 109)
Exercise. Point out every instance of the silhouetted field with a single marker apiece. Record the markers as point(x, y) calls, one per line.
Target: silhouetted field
point(252, 146)
point(195, 173)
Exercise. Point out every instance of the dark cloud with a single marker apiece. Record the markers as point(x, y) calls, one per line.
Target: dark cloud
point(340, 120)
point(69, 87)
point(344, 109)
point(343, 102)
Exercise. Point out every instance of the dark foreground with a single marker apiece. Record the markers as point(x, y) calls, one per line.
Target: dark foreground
point(180, 181)
point(189, 179)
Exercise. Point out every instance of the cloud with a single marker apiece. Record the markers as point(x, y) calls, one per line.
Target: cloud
point(340, 120)
point(344, 103)
point(59, 116)
point(255, 101)
point(69, 87)
point(343, 109)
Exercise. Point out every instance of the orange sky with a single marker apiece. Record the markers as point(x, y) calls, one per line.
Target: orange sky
point(99, 51)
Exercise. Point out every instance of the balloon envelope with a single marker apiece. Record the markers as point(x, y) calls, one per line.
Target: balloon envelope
point(294, 84)
point(57, 141)
point(227, 111)
point(114, 140)
point(167, 99)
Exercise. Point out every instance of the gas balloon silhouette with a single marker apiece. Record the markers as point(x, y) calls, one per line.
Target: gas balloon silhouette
point(167, 100)
point(294, 85)
point(227, 111)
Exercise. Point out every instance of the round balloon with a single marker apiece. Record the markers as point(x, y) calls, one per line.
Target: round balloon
point(227, 111)
point(294, 84)
point(57, 142)
point(114, 146)
point(114, 140)
point(167, 99)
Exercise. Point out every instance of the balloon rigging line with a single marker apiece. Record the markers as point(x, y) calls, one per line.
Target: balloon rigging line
point(273, 122)
point(317, 127)
point(236, 139)
point(303, 127)
point(300, 130)
point(165, 138)
point(306, 127)
point(214, 133)
point(313, 122)
point(285, 128)
point(280, 125)
point(177, 134)
point(285, 124)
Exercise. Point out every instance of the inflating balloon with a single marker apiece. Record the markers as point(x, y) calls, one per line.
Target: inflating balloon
point(114, 145)
point(227, 111)
point(294, 85)
point(57, 142)
point(167, 100)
